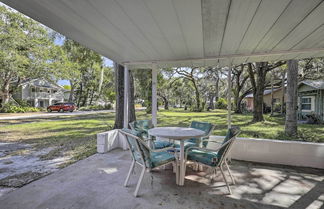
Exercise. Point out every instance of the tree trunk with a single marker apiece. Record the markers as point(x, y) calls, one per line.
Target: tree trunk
point(197, 95)
point(291, 103)
point(119, 88)
point(272, 75)
point(217, 90)
point(92, 96)
point(283, 92)
point(80, 94)
point(131, 99)
point(258, 86)
point(85, 98)
point(5, 92)
point(211, 102)
point(71, 92)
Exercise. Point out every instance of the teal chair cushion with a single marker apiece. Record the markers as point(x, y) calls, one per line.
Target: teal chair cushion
point(212, 158)
point(207, 158)
point(162, 144)
point(160, 158)
point(143, 126)
point(203, 126)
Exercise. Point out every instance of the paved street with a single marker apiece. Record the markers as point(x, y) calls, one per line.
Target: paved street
point(52, 114)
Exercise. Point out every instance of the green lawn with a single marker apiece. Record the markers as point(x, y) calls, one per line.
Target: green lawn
point(76, 135)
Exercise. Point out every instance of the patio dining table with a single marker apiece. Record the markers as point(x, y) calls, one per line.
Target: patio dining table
point(180, 134)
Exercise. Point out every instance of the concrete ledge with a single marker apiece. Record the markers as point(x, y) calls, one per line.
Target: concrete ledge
point(294, 153)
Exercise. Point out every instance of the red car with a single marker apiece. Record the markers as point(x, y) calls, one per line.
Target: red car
point(61, 107)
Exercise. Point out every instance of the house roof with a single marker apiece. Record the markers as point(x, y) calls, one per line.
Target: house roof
point(41, 83)
point(317, 84)
point(182, 33)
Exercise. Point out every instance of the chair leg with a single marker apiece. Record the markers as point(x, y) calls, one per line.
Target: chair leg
point(129, 173)
point(228, 187)
point(139, 181)
point(174, 167)
point(230, 173)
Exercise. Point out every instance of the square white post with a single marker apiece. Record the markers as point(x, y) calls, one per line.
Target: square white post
point(154, 95)
point(229, 96)
point(126, 92)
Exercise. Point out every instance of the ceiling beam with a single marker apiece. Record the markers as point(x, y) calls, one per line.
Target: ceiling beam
point(229, 56)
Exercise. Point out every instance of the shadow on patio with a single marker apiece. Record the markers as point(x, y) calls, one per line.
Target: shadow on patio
point(96, 182)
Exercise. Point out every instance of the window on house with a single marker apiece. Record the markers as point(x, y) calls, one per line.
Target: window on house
point(33, 89)
point(306, 103)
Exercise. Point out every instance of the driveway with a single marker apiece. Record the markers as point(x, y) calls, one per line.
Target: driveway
point(52, 114)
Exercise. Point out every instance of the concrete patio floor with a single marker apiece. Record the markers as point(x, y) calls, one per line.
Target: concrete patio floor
point(96, 182)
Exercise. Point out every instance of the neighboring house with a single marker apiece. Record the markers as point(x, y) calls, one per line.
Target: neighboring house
point(311, 99)
point(39, 92)
point(277, 97)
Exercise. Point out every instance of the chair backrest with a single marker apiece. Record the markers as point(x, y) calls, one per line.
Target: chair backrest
point(203, 126)
point(142, 126)
point(139, 150)
point(227, 143)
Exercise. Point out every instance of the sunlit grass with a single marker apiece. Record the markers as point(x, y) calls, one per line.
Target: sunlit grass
point(76, 135)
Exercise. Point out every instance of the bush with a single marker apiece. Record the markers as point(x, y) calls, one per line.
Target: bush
point(302, 135)
point(221, 103)
point(14, 108)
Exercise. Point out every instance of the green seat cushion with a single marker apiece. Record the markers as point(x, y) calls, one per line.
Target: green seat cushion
point(161, 158)
point(162, 144)
point(203, 126)
point(207, 158)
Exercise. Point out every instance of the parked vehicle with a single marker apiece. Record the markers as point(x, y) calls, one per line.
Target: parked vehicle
point(61, 107)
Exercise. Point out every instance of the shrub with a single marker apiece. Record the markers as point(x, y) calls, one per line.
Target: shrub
point(221, 103)
point(14, 108)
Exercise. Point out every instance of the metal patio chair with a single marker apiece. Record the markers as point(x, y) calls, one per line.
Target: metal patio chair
point(142, 127)
point(146, 157)
point(215, 158)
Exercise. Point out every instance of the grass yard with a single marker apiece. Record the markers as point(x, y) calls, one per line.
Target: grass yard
point(75, 136)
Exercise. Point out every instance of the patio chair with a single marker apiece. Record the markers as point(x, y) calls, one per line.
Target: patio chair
point(142, 127)
point(145, 157)
point(214, 158)
point(202, 141)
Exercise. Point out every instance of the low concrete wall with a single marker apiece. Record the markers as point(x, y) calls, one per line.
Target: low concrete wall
point(292, 153)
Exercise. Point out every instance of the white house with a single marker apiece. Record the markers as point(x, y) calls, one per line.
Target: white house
point(39, 92)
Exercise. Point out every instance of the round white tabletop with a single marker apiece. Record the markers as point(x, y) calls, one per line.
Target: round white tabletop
point(176, 133)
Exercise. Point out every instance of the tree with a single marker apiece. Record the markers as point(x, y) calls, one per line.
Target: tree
point(144, 87)
point(190, 74)
point(257, 74)
point(26, 50)
point(291, 103)
point(240, 78)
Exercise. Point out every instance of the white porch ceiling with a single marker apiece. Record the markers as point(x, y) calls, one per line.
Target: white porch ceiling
point(186, 32)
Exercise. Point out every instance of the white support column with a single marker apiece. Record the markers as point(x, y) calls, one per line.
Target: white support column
point(154, 95)
point(229, 96)
point(126, 92)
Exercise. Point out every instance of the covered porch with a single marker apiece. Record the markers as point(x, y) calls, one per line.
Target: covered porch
point(179, 33)
point(96, 182)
